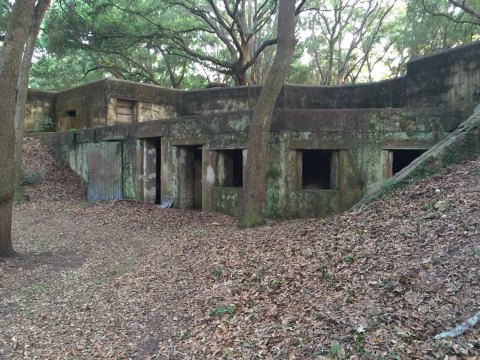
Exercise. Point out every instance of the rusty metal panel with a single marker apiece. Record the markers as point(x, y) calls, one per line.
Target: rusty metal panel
point(104, 171)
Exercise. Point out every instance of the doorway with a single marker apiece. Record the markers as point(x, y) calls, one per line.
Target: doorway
point(190, 179)
point(152, 170)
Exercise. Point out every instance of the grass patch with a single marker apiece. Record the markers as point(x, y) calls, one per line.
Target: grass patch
point(224, 309)
point(32, 178)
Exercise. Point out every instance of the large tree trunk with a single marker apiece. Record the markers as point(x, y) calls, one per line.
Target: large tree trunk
point(10, 58)
point(257, 156)
point(22, 90)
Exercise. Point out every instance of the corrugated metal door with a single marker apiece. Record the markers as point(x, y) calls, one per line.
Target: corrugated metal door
point(104, 171)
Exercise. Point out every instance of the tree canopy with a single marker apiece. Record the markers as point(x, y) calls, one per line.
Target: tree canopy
point(194, 43)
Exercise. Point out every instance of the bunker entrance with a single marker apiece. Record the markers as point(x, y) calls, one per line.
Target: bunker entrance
point(152, 170)
point(104, 171)
point(191, 177)
point(399, 159)
point(319, 169)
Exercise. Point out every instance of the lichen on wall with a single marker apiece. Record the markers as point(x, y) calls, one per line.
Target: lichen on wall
point(357, 127)
point(147, 111)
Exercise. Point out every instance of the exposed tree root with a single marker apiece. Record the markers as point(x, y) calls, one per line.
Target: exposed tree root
point(460, 329)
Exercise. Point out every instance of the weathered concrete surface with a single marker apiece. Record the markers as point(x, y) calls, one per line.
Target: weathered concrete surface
point(462, 144)
point(359, 137)
point(219, 100)
point(449, 79)
point(39, 104)
point(383, 94)
point(357, 127)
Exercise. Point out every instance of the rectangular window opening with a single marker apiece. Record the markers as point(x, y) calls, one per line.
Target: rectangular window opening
point(401, 158)
point(230, 168)
point(72, 114)
point(319, 169)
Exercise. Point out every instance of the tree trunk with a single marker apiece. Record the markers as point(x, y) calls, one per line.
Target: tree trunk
point(10, 58)
point(22, 91)
point(259, 131)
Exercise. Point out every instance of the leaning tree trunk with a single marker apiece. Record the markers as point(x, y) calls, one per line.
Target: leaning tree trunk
point(22, 90)
point(257, 156)
point(10, 58)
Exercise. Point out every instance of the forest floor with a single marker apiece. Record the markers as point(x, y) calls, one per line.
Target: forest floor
point(118, 280)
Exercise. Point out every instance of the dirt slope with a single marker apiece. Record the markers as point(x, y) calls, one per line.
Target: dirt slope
point(130, 280)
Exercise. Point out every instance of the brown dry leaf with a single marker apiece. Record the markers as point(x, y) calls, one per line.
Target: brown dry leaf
point(130, 280)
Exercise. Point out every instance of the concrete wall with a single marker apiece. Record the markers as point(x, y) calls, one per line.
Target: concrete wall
point(40, 104)
point(449, 79)
point(82, 107)
point(152, 102)
point(218, 100)
point(358, 126)
point(95, 104)
point(359, 137)
point(383, 94)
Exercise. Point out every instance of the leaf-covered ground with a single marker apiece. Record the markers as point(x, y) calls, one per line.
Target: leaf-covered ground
point(129, 280)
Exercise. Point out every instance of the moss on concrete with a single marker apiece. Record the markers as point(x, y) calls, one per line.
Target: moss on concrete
point(461, 145)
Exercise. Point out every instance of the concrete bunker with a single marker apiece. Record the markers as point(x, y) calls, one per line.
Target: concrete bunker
point(328, 146)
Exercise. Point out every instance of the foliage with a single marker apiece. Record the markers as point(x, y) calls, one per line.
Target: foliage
point(45, 124)
point(223, 309)
point(189, 44)
point(458, 11)
point(347, 38)
point(32, 178)
point(108, 39)
point(181, 43)
point(428, 33)
point(5, 9)
point(428, 280)
point(217, 272)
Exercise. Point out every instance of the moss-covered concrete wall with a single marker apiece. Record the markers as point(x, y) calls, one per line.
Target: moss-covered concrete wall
point(357, 128)
point(383, 94)
point(151, 102)
point(358, 137)
point(448, 79)
point(95, 104)
point(218, 100)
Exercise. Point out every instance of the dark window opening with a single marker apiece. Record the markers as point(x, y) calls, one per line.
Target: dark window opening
point(319, 169)
point(71, 114)
point(402, 158)
point(231, 168)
